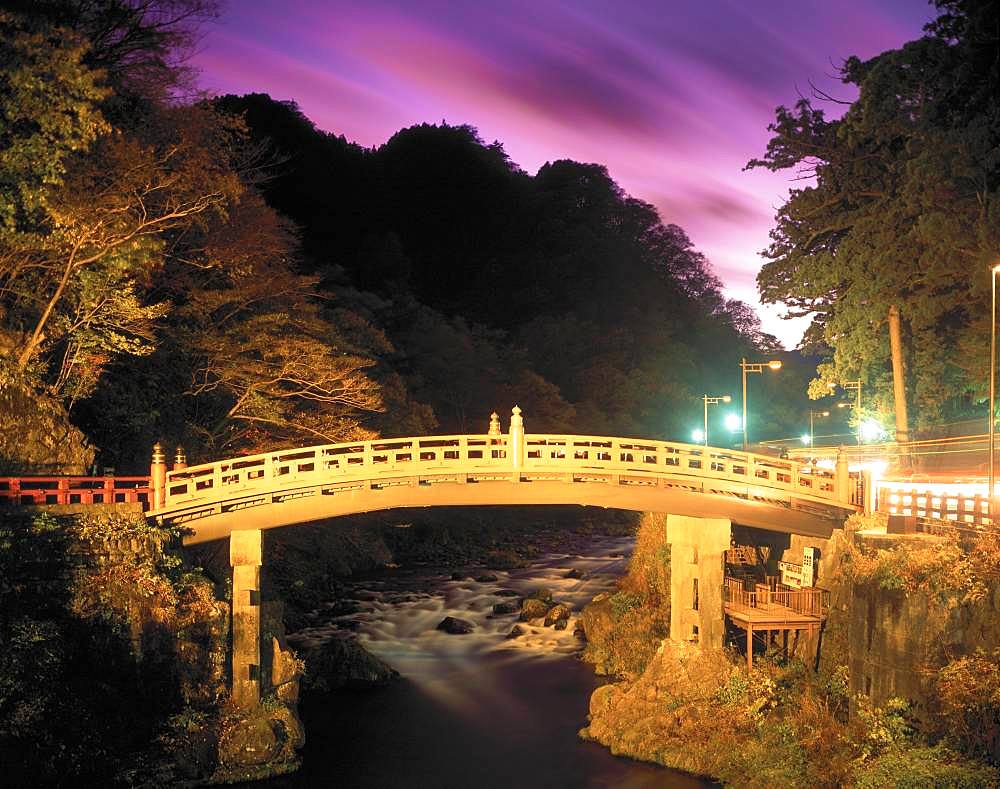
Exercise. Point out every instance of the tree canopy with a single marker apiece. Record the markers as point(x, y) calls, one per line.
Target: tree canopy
point(225, 275)
point(900, 209)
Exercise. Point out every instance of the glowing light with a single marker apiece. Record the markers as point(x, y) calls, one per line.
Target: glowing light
point(871, 431)
point(733, 422)
point(697, 435)
point(775, 364)
point(806, 439)
point(727, 399)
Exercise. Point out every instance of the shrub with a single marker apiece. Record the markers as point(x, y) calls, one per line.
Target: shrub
point(917, 768)
point(968, 714)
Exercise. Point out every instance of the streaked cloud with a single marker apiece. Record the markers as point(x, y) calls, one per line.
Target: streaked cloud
point(674, 97)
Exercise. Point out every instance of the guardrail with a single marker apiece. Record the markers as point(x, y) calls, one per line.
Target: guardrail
point(75, 490)
point(487, 457)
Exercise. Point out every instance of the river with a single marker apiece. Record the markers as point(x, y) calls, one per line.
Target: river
point(474, 711)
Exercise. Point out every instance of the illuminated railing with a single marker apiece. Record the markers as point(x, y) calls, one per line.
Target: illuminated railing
point(943, 503)
point(775, 601)
point(74, 490)
point(482, 458)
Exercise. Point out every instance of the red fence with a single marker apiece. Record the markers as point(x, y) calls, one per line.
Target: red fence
point(74, 490)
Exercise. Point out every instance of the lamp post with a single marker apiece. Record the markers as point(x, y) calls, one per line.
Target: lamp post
point(856, 386)
point(713, 401)
point(993, 378)
point(812, 415)
point(753, 367)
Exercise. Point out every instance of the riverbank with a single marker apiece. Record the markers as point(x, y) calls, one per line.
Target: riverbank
point(780, 724)
point(114, 661)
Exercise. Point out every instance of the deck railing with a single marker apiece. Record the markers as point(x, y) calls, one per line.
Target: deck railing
point(811, 602)
point(962, 509)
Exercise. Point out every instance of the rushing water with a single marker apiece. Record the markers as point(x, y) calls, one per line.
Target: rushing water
point(478, 710)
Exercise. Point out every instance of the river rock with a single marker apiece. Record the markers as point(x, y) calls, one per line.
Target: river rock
point(486, 578)
point(575, 573)
point(508, 607)
point(517, 630)
point(558, 613)
point(542, 593)
point(459, 576)
point(344, 663)
point(533, 608)
point(456, 626)
point(506, 593)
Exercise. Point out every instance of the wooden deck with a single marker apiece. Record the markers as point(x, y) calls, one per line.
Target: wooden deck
point(774, 611)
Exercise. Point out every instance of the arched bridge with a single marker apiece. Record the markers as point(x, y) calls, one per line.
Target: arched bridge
point(295, 486)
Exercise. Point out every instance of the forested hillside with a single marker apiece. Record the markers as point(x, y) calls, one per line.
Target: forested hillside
point(224, 275)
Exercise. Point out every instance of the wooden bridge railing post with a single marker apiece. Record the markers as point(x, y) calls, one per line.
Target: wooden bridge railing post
point(158, 477)
point(517, 445)
point(842, 477)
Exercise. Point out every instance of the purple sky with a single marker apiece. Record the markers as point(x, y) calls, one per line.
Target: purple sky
point(674, 96)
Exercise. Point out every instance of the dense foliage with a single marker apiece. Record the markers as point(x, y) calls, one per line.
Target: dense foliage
point(902, 209)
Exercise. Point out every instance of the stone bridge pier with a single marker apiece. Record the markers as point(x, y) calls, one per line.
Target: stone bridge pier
point(245, 557)
point(697, 570)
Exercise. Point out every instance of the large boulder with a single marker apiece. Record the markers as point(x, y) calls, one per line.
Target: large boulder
point(36, 436)
point(533, 608)
point(558, 613)
point(250, 741)
point(257, 743)
point(456, 626)
point(344, 663)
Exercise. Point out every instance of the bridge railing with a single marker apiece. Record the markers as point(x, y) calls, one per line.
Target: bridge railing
point(657, 458)
point(493, 456)
point(24, 490)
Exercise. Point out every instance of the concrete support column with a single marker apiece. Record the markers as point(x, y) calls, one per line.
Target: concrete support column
point(697, 554)
point(245, 559)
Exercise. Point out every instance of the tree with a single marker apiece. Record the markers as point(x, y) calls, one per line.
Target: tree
point(903, 212)
point(108, 220)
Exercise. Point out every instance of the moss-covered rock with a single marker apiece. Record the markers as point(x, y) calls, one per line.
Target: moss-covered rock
point(559, 613)
point(344, 663)
point(36, 435)
point(257, 743)
point(533, 608)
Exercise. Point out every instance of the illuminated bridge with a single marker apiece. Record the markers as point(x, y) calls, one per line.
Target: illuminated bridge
point(702, 490)
point(313, 483)
point(286, 487)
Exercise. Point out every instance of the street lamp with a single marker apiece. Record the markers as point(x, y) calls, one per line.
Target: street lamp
point(993, 378)
point(753, 367)
point(812, 415)
point(712, 401)
point(856, 386)
point(849, 386)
